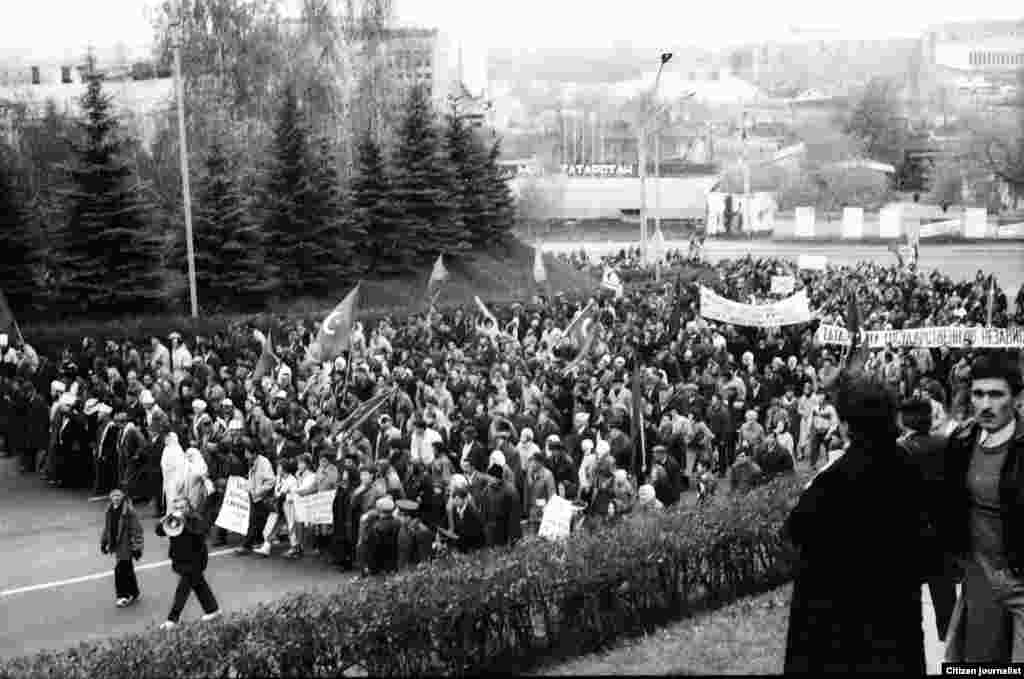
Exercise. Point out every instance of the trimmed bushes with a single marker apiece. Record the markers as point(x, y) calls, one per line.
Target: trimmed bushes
point(497, 611)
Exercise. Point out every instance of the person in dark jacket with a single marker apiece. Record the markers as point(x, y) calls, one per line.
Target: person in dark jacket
point(983, 517)
point(502, 511)
point(122, 536)
point(856, 603)
point(928, 452)
point(667, 487)
point(415, 538)
point(382, 539)
point(189, 558)
point(467, 523)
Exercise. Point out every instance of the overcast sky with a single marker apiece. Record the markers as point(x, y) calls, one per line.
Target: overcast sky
point(56, 28)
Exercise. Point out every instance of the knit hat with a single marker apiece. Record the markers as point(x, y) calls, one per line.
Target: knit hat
point(645, 493)
point(385, 505)
point(497, 458)
point(198, 405)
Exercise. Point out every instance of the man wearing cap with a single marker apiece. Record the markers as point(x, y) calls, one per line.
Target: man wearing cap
point(501, 508)
point(382, 539)
point(415, 538)
point(106, 451)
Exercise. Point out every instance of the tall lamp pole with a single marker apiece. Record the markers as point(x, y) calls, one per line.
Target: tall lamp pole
point(186, 193)
point(644, 259)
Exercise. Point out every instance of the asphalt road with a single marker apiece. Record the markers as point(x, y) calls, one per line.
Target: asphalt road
point(58, 590)
point(1004, 259)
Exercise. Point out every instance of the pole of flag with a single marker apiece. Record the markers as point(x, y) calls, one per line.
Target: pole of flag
point(991, 300)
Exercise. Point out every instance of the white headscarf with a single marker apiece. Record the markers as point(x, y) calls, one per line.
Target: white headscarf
point(174, 466)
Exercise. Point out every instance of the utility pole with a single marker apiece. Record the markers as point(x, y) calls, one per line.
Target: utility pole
point(642, 148)
point(186, 193)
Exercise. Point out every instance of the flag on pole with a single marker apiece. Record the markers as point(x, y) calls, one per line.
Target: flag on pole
point(335, 333)
point(581, 325)
point(439, 275)
point(611, 281)
point(485, 311)
point(639, 445)
point(590, 336)
point(8, 325)
point(268, 362)
point(540, 272)
point(364, 411)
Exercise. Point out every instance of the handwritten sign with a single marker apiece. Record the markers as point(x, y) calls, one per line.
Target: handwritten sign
point(556, 522)
point(783, 285)
point(317, 508)
point(234, 513)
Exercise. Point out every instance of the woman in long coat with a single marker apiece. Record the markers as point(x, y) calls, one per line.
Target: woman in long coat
point(860, 534)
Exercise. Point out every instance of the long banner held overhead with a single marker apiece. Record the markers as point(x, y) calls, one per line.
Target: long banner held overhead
point(790, 311)
point(952, 336)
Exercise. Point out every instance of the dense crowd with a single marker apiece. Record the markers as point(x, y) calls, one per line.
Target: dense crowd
point(486, 423)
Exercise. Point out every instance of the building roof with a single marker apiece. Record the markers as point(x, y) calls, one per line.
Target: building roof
point(675, 86)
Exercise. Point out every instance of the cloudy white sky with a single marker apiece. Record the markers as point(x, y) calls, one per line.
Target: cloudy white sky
point(55, 28)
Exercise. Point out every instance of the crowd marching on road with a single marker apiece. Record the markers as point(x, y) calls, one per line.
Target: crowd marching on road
point(474, 426)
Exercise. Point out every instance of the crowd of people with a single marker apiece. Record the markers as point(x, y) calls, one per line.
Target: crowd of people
point(485, 423)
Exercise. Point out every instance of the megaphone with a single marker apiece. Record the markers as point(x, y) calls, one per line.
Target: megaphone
point(173, 524)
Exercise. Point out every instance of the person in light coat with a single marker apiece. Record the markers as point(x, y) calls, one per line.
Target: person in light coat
point(196, 483)
point(173, 468)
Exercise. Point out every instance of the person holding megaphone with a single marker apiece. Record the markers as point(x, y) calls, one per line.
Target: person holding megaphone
point(189, 557)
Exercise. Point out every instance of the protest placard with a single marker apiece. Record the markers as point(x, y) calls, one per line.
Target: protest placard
point(234, 512)
point(783, 285)
point(814, 262)
point(951, 336)
point(316, 509)
point(556, 521)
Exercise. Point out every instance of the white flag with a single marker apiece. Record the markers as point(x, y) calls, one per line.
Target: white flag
point(540, 273)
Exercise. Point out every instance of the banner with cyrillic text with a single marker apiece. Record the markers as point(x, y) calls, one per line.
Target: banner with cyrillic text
point(783, 285)
point(951, 336)
point(789, 311)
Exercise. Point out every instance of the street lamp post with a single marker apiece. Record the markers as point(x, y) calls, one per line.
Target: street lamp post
point(644, 259)
point(186, 193)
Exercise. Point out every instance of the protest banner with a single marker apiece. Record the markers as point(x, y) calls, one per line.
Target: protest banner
point(234, 512)
point(789, 311)
point(949, 227)
point(316, 509)
point(951, 336)
point(813, 262)
point(556, 521)
point(783, 285)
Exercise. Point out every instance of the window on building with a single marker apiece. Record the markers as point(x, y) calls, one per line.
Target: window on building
point(35, 75)
point(65, 74)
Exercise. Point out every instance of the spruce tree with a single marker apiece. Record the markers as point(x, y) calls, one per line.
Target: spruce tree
point(17, 242)
point(231, 271)
point(289, 213)
point(374, 222)
point(468, 158)
point(501, 205)
point(335, 264)
point(423, 186)
point(110, 255)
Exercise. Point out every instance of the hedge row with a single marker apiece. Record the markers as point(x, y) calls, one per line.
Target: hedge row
point(497, 611)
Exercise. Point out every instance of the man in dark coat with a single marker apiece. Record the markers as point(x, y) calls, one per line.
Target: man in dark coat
point(106, 451)
point(928, 452)
point(382, 539)
point(669, 488)
point(856, 603)
point(189, 557)
point(122, 536)
point(502, 511)
point(467, 523)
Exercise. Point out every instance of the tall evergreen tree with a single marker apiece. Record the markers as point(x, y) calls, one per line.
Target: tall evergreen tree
point(468, 159)
point(500, 201)
point(17, 242)
point(374, 223)
point(110, 256)
point(423, 185)
point(336, 265)
point(231, 271)
point(289, 212)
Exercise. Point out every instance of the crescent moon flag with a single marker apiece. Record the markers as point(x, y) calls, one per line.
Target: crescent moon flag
point(335, 332)
point(268, 362)
point(576, 332)
point(540, 272)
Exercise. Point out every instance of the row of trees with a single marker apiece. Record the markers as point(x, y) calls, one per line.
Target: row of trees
point(293, 226)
